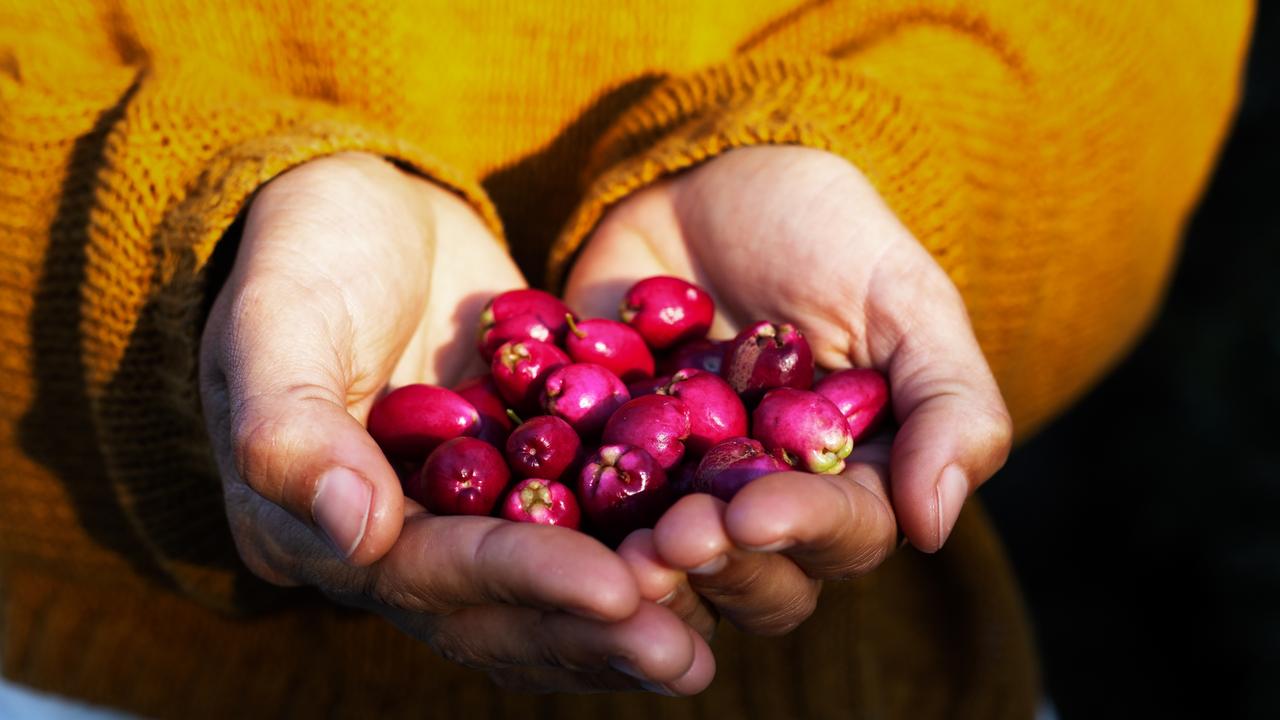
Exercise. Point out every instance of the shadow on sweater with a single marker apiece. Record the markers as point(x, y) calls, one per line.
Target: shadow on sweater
point(535, 196)
point(61, 400)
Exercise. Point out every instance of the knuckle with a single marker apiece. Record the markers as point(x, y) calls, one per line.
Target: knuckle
point(995, 433)
point(461, 649)
point(788, 613)
point(255, 444)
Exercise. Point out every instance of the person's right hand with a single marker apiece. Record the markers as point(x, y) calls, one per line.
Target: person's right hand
point(352, 275)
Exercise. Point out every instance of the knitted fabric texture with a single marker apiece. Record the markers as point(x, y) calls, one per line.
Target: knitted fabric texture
point(1047, 154)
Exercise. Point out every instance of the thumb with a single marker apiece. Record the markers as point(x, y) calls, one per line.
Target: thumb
point(276, 400)
point(955, 430)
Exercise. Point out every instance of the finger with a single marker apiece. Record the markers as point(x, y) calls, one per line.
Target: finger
point(652, 646)
point(831, 526)
point(542, 680)
point(656, 580)
point(442, 564)
point(276, 408)
point(664, 585)
point(955, 430)
point(761, 593)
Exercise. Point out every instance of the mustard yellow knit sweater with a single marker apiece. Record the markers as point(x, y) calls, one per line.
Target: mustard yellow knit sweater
point(1047, 153)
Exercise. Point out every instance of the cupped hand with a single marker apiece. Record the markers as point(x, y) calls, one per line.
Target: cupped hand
point(792, 234)
point(352, 275)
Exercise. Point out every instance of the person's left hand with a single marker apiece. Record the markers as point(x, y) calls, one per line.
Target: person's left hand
point(797, 235)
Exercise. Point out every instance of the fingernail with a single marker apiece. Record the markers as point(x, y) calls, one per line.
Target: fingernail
point(711, 567)
point(953, 489)
point(771, 547)
point(625, 667)
point(666, 599)
point(341, 508)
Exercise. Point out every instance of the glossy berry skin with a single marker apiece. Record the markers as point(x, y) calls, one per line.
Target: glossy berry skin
point(700, 354)
point(623, 488)
point(585, 395)
point(533, 309)
point(766, 356)
point(483, 394)
point(730, 465)
point(411, 421)
point(861, 394)
point(612, 345)
point(806, 429)
point(715, 412)
point(513, 329)
point(543, 447)
point(520, 369)
point(526, 301)
point(464, 476)
point(544, 502)
point(657, 424)
point(667, 311)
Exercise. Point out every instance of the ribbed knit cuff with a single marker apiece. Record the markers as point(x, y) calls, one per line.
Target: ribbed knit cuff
point(814, 102)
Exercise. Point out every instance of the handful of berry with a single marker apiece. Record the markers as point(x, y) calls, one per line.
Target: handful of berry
point(572, 408)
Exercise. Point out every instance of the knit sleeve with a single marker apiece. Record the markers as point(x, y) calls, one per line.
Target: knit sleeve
point(1045, 153)
point(118, 180)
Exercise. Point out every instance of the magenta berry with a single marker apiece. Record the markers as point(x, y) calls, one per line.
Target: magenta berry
point(483, 394)
point(861, 394)
point(524, 314)
point(612, 345)
point(513, 329)
point(544, 502)
point(807, 429)
point(464, 476)
point(585, 395)
point(667, 311)
point(730, 465)
point(623, 488)
point(766, 356)
point(715, 412)
point(658, 424)
point(520, 369)
point(544, 447)
point(702, 354)
point(411, 421)
point(526, 301)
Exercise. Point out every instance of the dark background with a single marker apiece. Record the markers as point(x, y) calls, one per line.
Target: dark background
point(1145, 523)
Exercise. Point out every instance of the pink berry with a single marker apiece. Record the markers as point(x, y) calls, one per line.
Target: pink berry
point(648, 386)
point(861, 394)
point(482, 393)
point(585, 395)
point(464, 476)
point(767, 356)
point(715, 412)
point(730, 465)
point(521, 368)
point(538, 308)
point(806, 429)
point(667, 311)
point(623, 488)
point(658, 424)
point(612, 345)
point(701, 354)
point(545, 502)
point(514, 329)
point(544, 447)
point(411, 421)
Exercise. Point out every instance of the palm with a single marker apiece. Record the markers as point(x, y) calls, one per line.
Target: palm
point(798, 235)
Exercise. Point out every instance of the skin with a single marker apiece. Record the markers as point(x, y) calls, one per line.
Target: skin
point(761, 229)
point(352, 274)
